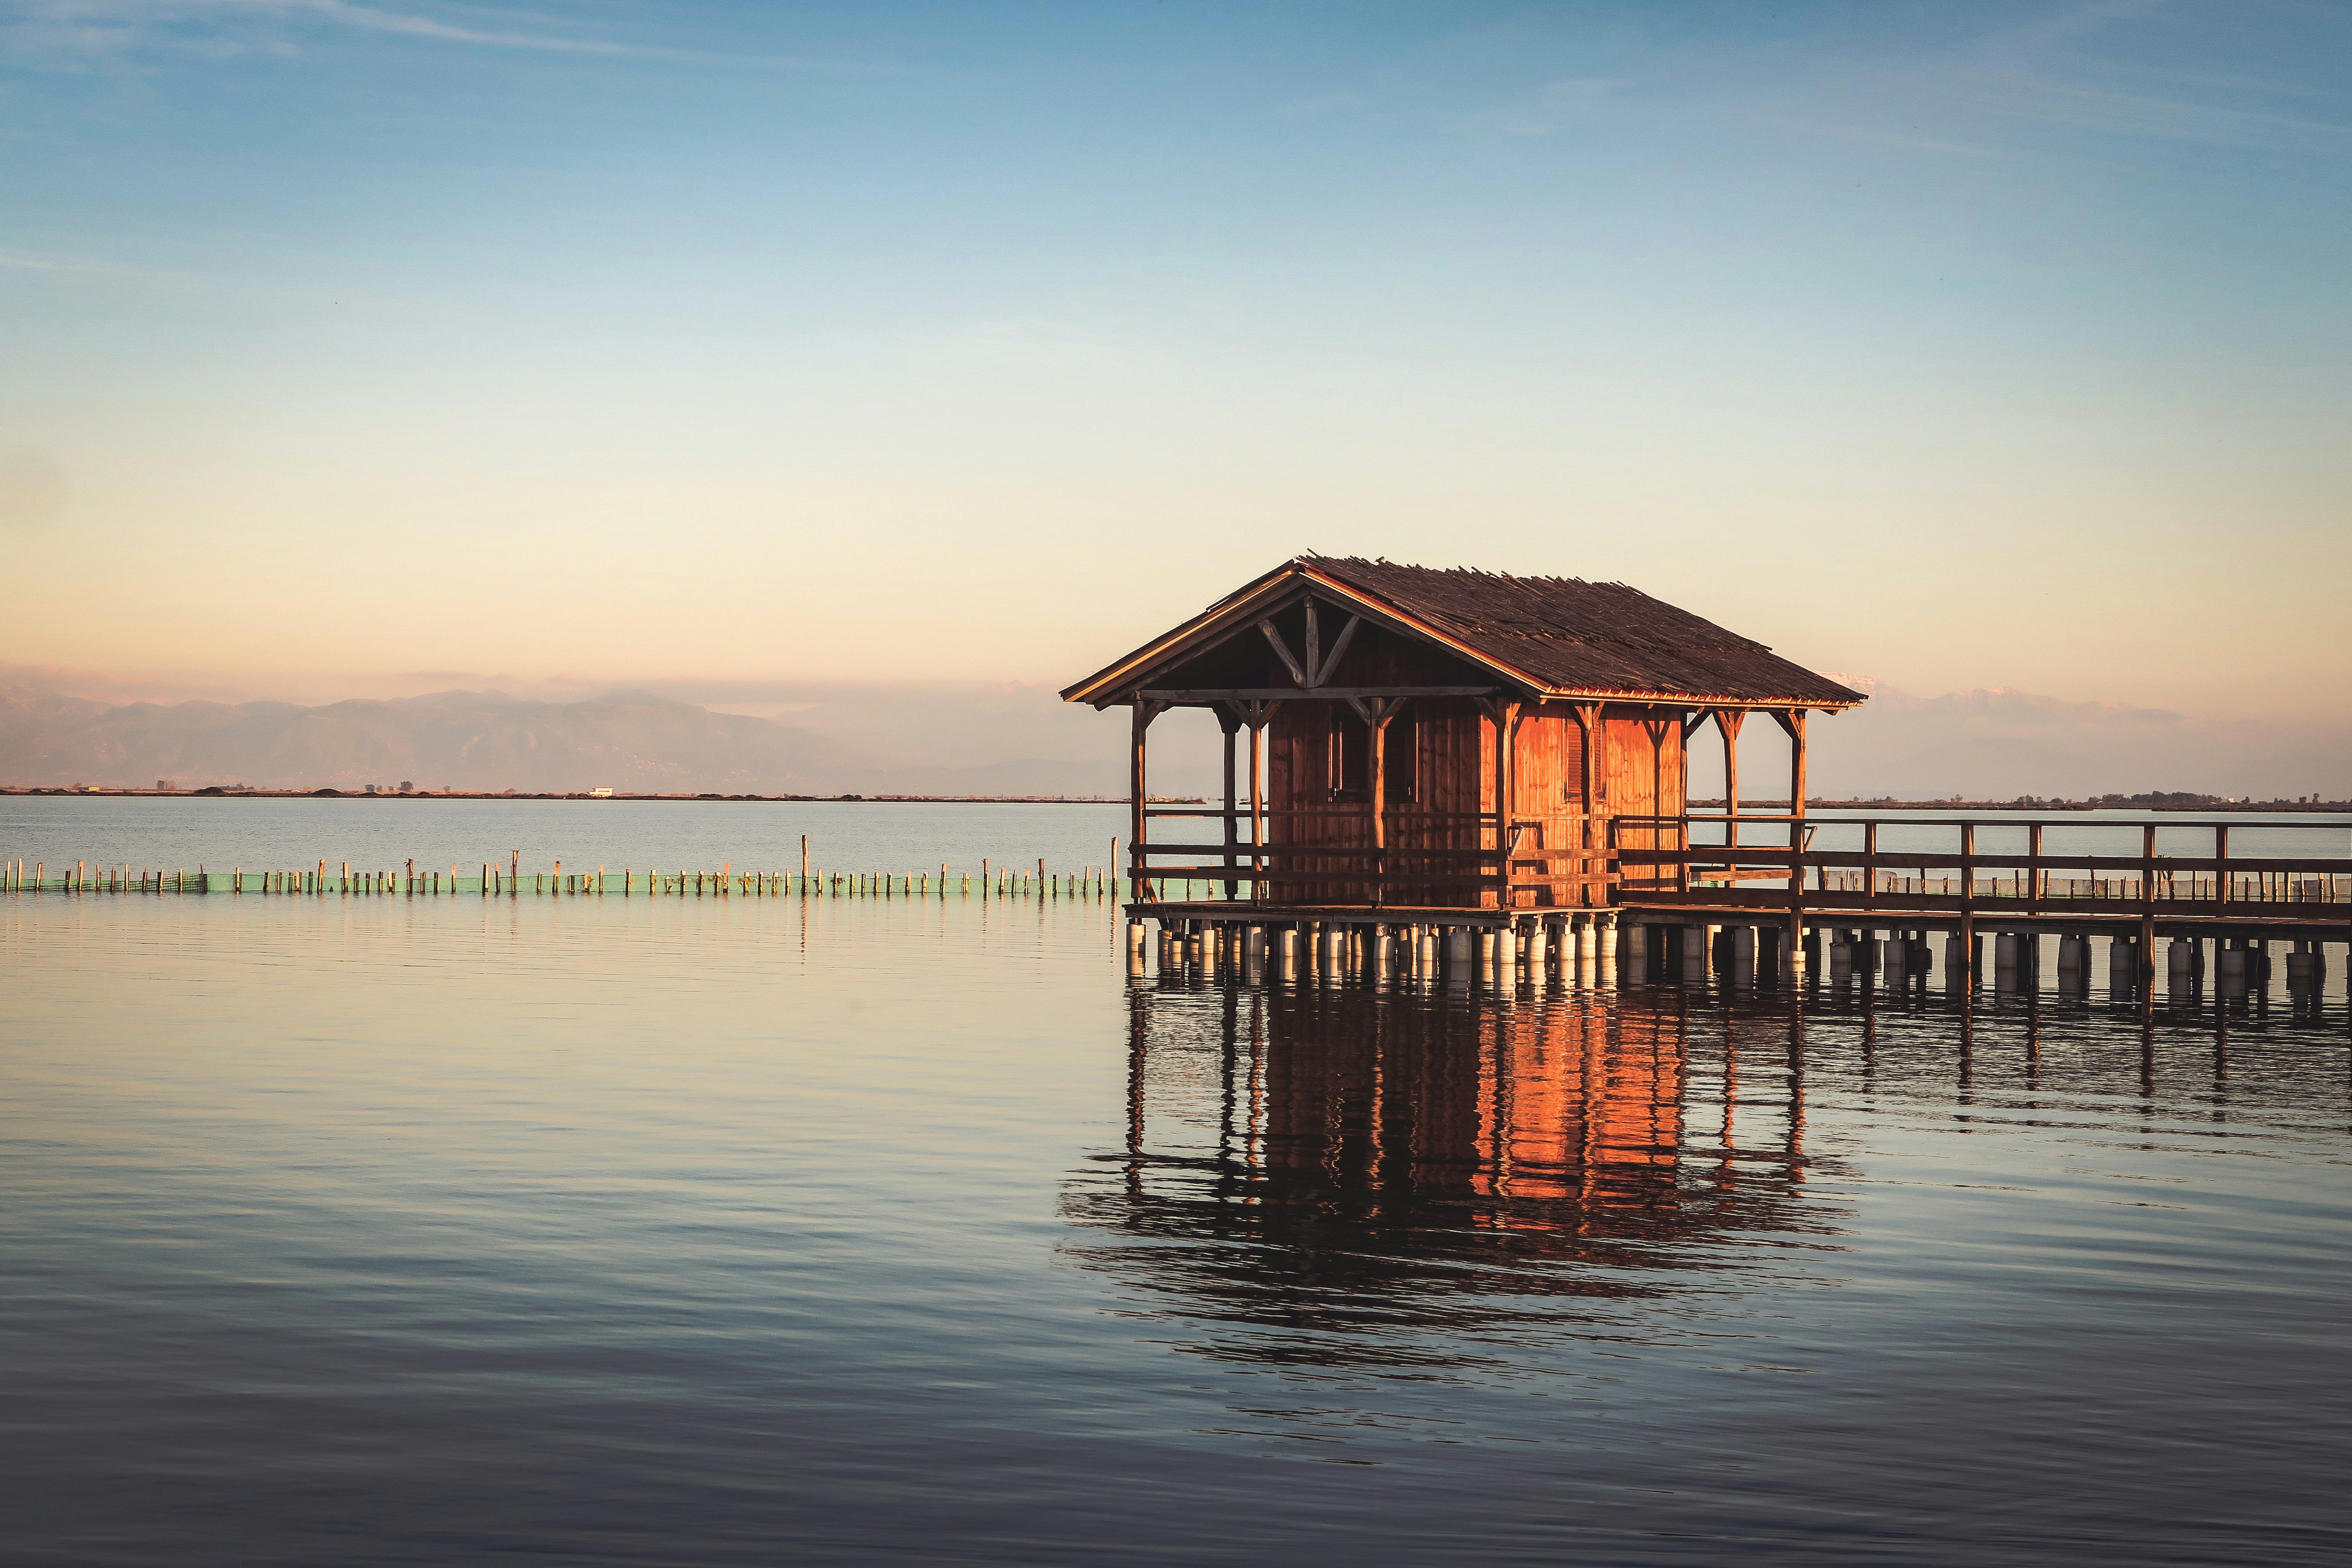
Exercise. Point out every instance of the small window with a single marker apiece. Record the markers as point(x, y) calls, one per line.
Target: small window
point(1351, 758)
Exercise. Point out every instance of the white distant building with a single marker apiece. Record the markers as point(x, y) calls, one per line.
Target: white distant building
point(600, 794)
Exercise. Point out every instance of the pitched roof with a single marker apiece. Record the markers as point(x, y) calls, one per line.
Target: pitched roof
point(1561, 635)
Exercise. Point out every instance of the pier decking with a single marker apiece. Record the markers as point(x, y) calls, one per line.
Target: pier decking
point(1687, 897)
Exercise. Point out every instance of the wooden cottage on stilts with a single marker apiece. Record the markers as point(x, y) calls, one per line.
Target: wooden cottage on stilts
point(1413, 747)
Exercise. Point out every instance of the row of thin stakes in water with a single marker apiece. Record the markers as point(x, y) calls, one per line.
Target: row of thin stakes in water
point(511, 880)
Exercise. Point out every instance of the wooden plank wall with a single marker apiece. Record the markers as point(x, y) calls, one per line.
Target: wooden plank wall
point(1454, 768)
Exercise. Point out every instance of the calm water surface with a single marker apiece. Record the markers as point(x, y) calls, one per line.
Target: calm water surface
point(604, 1231)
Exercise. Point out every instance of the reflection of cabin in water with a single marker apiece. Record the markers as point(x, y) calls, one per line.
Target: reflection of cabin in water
point(1325, 1160)
point(1442, 740)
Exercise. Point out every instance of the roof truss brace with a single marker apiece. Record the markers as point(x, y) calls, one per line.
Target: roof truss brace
point(1376, 711)
point(1255, 712)
point(1317, 667)
point(1298, 670)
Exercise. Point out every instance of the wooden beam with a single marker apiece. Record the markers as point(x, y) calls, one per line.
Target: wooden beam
point(1206, 695)
point(1314, 647)
point(1328, 851)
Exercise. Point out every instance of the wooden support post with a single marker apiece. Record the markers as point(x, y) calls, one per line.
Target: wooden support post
point(1792, 723)
point(1231, 722)
point(1964, 964)
point(1504, 717)
point(1256, 713)
point(1594, 732)
point(1142, 714)
point(1729, 720)
point(1870, 865)
point(1379, 713)
point(1658, 730)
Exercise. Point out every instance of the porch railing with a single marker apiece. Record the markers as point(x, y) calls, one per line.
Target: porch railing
point(1517, 873)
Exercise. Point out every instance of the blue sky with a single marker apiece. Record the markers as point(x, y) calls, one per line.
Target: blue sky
point(1953, 345)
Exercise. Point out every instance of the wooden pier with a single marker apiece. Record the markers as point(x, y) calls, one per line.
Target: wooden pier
point(1677, 909)
point(1466, 774)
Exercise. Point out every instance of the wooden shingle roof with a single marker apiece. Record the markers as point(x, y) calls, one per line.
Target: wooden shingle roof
point(1557, 637)
point(1575, 635)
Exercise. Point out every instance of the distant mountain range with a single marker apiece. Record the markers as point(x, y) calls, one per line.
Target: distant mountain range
point(631, 742)
point(1019, 740)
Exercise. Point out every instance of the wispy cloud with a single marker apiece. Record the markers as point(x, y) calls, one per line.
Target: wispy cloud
point(409, 25)
point(2113, 110)
point(2110, 70)
point(21, 263)
point(1552, 107)
point(100, 27)
point(2083, 69)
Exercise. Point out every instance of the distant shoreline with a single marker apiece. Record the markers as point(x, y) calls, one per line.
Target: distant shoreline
point(223, 793)
point(1758, 807)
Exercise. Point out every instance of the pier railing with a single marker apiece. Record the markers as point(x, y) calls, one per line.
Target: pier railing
point(1950, 870)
